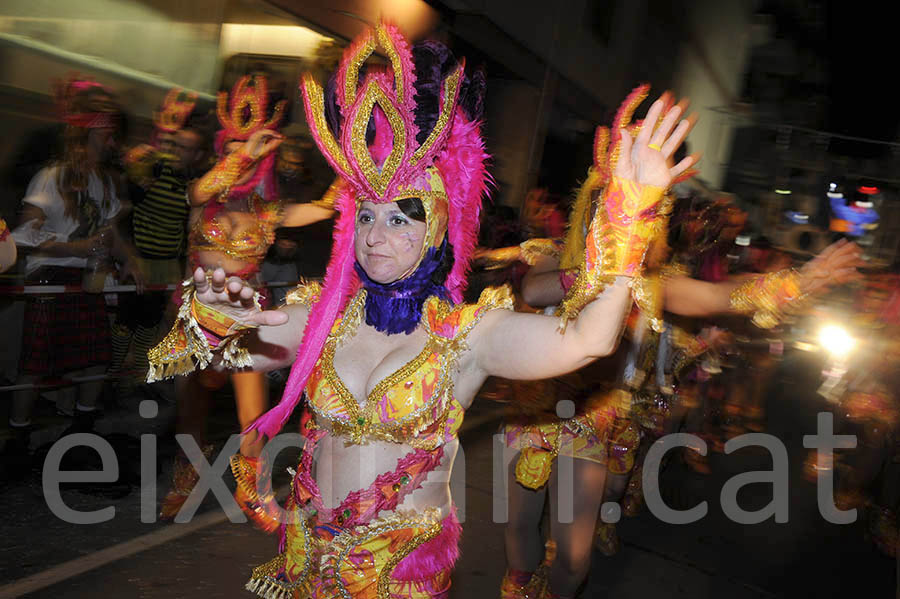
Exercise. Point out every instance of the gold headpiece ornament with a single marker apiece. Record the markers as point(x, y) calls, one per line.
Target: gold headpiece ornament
point(245, 114)
point(176, 108)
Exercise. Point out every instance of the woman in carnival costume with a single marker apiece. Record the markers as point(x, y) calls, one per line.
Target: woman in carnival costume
point(389, 358)
point(604, 433)
point(235, 210)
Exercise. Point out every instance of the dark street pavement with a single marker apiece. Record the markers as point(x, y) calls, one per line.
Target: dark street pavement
point(46, 558)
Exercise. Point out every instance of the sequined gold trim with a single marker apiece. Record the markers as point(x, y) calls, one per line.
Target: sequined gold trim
point(647, 291)
point(341, 545)
point(384, 578)
point(533, 249)
point(352, 74)
point(378, 179)
point(305, 293)
point(264, 581)
point(316, 99)
point(223, 175)
point(384, 40)
point(451, 86)
point(185, 348)
point(359, 424)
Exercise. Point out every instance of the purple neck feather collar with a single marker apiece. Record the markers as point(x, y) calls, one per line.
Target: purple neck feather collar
point(397, 307)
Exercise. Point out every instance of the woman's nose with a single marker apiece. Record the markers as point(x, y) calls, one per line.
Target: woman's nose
point(375, 234)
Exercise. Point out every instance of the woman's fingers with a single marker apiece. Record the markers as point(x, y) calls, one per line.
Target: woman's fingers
point(246, 296)
point(679, 135)
point(646, 132)
point(661, 134)
point(201, 284)
point(271, 145)
point(217, 280)
point(686, 163)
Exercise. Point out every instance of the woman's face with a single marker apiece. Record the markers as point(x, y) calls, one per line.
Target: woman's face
point(388, 243)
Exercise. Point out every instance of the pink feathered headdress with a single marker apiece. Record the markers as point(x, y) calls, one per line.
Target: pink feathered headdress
point(381, 165)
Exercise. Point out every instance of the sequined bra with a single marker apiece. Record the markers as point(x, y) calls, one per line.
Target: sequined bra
point(415, 404)
point(211, 234)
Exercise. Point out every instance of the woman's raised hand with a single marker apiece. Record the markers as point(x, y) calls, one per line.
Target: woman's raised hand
point(234, 297)
point(835, 265)
point(645, 159)
point(262, 143)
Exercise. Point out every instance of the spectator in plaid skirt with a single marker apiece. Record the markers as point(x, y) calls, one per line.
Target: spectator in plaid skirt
point(66, 226)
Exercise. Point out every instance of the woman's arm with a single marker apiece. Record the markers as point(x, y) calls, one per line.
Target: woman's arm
point(691, 297)
point(771, 292)
point(300, 215)
point(531, 346)
point(32, 221)
point(526, 346)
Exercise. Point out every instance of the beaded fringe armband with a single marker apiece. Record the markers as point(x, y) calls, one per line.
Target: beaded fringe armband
point(493, 259)
point(188, 346)
point(768, 298)
point(223, 175)
point(623, 226)
point(533, 249)
point(330, 196)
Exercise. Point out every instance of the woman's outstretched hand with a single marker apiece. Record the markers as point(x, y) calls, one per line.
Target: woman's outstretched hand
point(234, 297)
point(644, 159)
point(835, 265)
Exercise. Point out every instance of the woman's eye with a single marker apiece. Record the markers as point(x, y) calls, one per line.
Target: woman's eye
point(397, 221)
point(365, 218)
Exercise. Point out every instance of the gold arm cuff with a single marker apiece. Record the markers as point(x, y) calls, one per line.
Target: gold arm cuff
point(768, 298)
point(533, 249)
point(186, 349)
point(223, 175)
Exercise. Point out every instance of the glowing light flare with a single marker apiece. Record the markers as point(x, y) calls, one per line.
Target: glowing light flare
point(836, 340)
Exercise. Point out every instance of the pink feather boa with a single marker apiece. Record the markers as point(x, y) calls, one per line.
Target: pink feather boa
point(437, 555)
point(340, 284)
point(463, 167)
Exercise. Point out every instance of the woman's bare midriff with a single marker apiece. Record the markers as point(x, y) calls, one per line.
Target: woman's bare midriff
point(340, 468)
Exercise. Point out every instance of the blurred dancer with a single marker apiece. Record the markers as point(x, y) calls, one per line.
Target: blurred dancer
point(603, 435)
point(159, 176)
point(66, 233)
point(235, 210)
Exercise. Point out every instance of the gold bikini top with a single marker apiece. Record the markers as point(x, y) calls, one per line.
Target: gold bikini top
point(209, 233)
point(414, 405)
